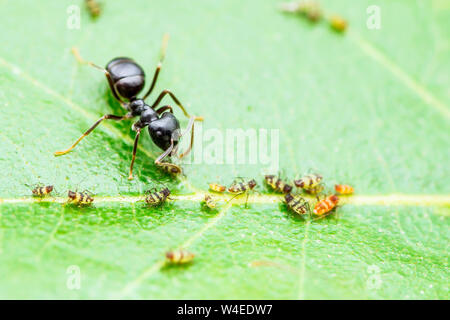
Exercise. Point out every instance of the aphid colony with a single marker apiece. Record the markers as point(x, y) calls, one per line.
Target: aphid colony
point(312, 11)
point(311, 184)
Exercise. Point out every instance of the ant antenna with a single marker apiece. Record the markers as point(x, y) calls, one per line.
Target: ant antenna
point(162, 55)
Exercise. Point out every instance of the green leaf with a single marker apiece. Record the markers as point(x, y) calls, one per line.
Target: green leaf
point(368, 107)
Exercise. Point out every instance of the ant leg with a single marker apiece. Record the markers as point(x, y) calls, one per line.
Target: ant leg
point(177, 102)
point(159, 162)
point(106, 116)
point(136, 139)
point(238, 194)
point(246, 200)
point(189, 127)
point(158, 67)
point(162, 109)
point(77, 55)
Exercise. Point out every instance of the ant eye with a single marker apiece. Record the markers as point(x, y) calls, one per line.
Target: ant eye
point(159, 133)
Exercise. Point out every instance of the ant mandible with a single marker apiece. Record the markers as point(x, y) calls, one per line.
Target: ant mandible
point(126, 79)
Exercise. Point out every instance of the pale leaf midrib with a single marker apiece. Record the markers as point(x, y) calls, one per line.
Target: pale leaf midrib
point(396, 199)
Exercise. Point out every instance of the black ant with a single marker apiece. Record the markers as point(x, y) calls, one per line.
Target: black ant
point(126, 79)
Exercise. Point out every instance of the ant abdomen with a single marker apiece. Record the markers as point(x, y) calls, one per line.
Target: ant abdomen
point(127, 76)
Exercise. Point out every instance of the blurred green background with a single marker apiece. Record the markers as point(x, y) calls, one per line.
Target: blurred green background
point(368, 107)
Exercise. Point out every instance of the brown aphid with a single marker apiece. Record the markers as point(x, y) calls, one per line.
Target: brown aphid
point(79, 198)
point(158, 197)
point(338, 23)
point(42, 191)
point(217, 187)
point(179, 256)
point(170, 168)
point(93, 7)
point(277, 184)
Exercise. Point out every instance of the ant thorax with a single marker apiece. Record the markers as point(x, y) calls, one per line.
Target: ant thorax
point(145, 113)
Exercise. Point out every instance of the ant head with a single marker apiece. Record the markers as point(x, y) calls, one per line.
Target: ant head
point(252, 183)
point(136, 107)
point(163, 130)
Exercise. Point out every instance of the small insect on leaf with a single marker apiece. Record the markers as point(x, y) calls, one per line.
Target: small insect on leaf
point(93, 7)
point(179, 256)
point(307, 8)
point(337, 23)
point(326, 205)
point(309, 181)
point(277, 185)
point(242, 187)
point(315, 190)
point(343, 189)
point(297, 204)
point(210, 202)
point(79, 198)
point(170, 168)
point(158, 197)
point(41, 192)
point(217, 187)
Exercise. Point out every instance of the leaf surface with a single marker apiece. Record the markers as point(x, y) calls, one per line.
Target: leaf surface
point(369, 108)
